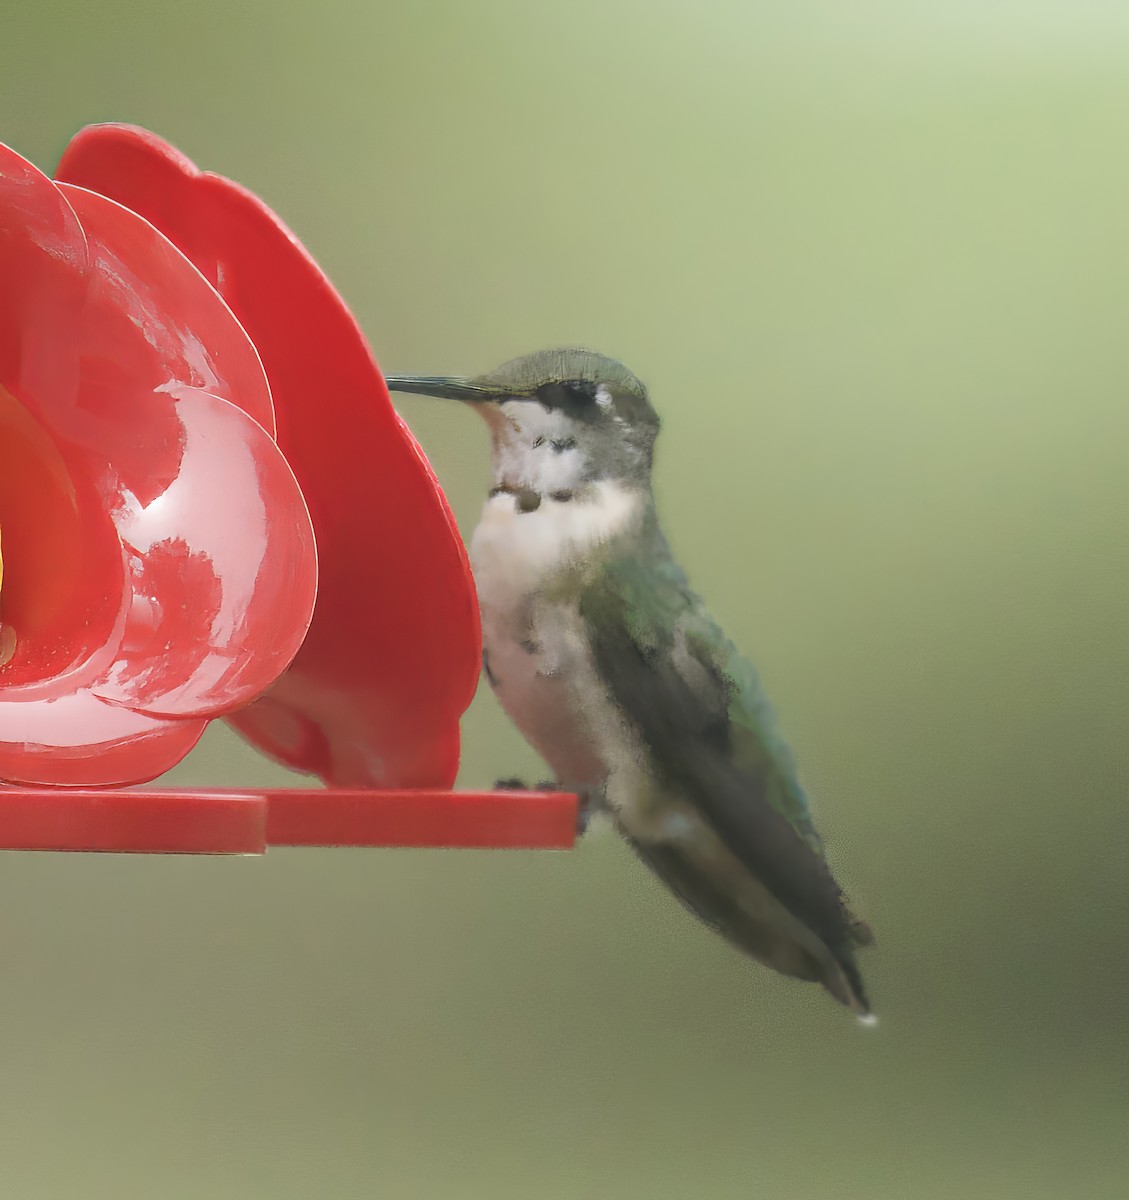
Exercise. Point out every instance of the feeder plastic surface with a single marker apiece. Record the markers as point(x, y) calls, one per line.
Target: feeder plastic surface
point(391, 661)
point(159, 563)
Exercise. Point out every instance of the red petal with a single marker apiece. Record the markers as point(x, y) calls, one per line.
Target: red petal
point(223, 568)
point(64, 582)
point(223, 564)
point(152, 323)
point(79, 740)
point(392, 657)
point(104, 340)
point(44, 266)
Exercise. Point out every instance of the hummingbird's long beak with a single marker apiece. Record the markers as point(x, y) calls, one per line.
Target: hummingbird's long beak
point(443, 386)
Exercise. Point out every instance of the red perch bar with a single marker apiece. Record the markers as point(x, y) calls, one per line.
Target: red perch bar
point(124, 821)
point(207, 821)
point(509, 820)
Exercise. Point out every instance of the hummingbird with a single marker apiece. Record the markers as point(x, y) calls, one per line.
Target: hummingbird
point(612, 668)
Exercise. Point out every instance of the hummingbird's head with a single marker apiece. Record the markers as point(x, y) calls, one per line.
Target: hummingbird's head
point(559, 418)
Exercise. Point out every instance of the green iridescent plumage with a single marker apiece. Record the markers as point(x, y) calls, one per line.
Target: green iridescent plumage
point(711, 734)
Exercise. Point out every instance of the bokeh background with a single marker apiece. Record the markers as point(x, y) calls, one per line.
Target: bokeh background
point(873, 260)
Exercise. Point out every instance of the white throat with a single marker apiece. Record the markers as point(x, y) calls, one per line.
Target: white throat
point(516, 554)
point(535, 448)
point(544, 513)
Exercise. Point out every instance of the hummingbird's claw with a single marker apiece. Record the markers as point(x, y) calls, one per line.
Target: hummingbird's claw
point(583, 804)
point(584, 801)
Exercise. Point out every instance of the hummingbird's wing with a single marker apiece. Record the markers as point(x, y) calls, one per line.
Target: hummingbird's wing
point(711, 735)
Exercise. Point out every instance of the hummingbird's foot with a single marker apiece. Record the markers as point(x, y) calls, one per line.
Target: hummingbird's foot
point(584, 800)
point(583, 803)
point(511, 785)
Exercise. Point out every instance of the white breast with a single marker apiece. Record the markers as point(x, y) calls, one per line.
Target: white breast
point(536, 650)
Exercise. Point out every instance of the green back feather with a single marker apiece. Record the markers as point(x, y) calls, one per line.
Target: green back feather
point(707, 727)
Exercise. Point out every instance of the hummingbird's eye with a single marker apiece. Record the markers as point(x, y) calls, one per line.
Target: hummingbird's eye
point(571, 394)
point(582, 389)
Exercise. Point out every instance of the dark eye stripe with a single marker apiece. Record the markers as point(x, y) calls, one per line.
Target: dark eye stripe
point(583, 389)
point(575, 394)
point(560, 445)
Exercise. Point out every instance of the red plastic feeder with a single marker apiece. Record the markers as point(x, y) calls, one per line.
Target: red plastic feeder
point(186, 407)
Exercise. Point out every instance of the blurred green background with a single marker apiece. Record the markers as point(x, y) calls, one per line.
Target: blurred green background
point(873, 261)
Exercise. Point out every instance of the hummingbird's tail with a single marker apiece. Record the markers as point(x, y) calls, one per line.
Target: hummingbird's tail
point(850, 989)
point(773, 936)
point(846, 985)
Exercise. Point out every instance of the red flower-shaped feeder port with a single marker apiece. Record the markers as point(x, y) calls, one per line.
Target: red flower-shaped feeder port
point(159, 564)
point(374, 696)
point(392, 658)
